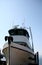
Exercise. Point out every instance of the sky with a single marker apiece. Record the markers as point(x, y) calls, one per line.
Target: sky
point(17, 12)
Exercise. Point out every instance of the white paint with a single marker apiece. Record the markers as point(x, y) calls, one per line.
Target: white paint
point(21, 38)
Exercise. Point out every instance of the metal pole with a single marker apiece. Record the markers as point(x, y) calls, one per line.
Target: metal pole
point(9, 51)
point(31, 38)
point(9, 42)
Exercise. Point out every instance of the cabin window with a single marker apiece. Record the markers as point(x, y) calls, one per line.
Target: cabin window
point(19, 32)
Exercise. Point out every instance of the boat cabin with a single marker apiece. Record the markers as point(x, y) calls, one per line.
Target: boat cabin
point(20, 36)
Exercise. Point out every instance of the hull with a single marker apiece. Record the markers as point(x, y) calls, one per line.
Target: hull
point(19, 55)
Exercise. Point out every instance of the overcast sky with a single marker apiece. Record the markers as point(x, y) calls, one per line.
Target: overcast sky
point(16, 12)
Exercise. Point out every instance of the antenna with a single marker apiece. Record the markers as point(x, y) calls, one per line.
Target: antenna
point(31, 38)
point(13, 22)
point(23, 24)
point(15, 26)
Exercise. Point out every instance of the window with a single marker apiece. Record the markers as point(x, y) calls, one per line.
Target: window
point(19, 32)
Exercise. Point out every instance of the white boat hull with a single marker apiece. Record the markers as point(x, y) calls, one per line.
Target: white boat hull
point(19, 55)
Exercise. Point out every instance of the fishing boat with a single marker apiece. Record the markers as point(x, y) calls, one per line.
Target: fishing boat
point(18, 50)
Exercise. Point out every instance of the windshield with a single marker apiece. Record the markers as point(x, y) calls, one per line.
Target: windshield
point(19, 32)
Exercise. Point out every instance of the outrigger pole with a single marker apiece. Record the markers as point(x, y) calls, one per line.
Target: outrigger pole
point(31, 38)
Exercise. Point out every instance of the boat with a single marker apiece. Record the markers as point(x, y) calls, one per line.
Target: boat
point(18, 50)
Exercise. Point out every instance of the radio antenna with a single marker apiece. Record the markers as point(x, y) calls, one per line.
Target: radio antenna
point(23, 24)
